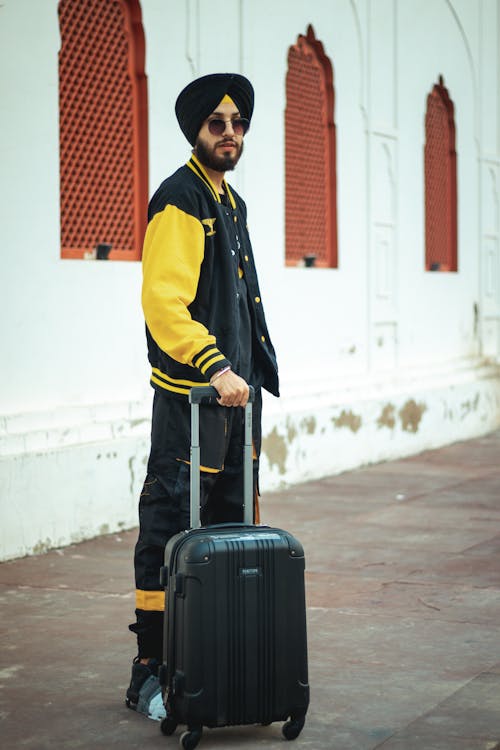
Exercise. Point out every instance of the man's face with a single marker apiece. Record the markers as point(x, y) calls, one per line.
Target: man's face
point(220, 152)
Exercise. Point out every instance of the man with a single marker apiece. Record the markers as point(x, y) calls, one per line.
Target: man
point(204, 324)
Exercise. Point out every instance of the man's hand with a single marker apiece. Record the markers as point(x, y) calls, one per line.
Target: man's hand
point(232, 390)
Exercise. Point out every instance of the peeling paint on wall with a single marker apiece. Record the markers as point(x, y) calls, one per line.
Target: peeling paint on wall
point(466, 407)
point(274, 447)
point(42, 547)
point(411, 415)
point(387, 417)
point(308, 425)
point(132, 473)
point(348, 419)
point(291, 431)
point(136, 422)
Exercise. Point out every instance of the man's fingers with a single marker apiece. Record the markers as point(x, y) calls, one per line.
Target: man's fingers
point(229, 402)
point(234, 398)
point(233, 390)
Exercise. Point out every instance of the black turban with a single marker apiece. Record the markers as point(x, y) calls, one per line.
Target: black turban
point(200, 97)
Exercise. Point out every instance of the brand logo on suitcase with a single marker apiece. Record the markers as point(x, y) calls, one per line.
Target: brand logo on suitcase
point(250, 572)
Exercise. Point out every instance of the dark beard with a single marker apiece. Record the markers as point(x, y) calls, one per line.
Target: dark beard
point(222, 163)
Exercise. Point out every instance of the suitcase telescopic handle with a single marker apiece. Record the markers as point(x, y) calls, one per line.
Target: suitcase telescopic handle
point(208, 394)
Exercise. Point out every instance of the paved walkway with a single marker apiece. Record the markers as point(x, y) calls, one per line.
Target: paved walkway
point(403, 587)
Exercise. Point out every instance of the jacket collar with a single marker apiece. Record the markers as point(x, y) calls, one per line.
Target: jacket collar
point(197, 167)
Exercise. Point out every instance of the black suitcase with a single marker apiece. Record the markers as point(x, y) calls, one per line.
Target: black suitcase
point(235, 648)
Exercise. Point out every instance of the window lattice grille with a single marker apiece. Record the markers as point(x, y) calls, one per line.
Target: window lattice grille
point(440, 182)
point(103, 148)
point(311, 224)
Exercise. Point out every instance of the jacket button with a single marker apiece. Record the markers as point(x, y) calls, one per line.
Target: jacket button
point(246, 258)
point(257, 299)
point(262, 338)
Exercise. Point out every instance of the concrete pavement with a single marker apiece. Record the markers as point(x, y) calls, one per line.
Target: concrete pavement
point(403, 584)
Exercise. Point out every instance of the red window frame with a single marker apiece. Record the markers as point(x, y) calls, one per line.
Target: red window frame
point(440, 163)
point(103, 129)
point(310, 156)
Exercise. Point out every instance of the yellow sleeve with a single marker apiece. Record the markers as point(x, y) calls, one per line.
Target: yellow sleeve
point(172, 256)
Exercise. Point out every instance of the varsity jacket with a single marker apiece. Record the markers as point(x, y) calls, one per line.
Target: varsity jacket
point(196, 249)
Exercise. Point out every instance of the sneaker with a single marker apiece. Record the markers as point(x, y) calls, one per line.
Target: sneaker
point(144, 692)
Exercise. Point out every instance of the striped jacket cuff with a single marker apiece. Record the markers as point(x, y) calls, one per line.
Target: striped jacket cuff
point(209, 361)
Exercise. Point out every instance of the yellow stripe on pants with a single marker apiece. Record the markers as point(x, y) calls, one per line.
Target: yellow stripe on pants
point(150, 601)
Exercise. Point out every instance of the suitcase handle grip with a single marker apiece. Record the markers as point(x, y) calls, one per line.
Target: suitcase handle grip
point(200, 394)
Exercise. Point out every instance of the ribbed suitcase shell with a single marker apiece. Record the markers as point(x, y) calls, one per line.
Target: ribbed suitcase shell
point(235, 636)
point(235, 643)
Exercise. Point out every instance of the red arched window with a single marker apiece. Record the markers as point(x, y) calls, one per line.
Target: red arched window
point(311, 210)
point(440, 182)
point(103, 129)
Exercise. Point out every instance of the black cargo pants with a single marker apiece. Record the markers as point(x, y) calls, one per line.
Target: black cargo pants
point(164, 500)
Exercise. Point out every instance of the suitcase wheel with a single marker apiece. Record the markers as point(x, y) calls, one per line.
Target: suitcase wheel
point(168, 726)
point(293, 728)
point(189, 740)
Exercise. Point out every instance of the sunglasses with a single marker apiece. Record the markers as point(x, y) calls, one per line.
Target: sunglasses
point(217, 126)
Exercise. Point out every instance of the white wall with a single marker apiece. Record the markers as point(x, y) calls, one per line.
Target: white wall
point(378, 358)
point(73, 333)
